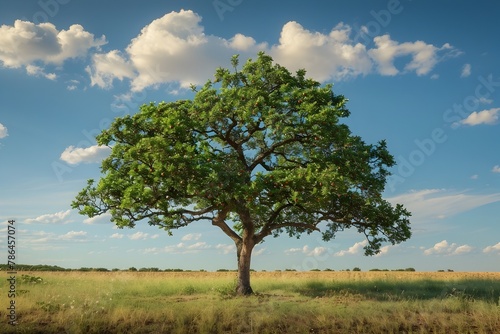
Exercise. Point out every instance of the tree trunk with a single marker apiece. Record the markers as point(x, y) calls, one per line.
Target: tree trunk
point(244, 254)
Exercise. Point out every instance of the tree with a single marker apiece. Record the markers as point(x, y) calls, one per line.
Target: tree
point(257, 152)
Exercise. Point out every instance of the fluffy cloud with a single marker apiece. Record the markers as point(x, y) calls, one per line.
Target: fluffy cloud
point(26, 43)
point(325, 57)
point(38, 71)
point(489, 116)
point(316, 251)
point(107, 67)
point(491, 249)
point(466, 71)
point(355, 249)
point(138, 236)
point(431, 204)
point(225, 248)
point(423, 56)
point(116, 236)
point(74, 155)
point(174, 48)
point(191, 236)
point(444, 248)
point(3, 131)
point(50, 218)
point(101, 219)
point(496, 169)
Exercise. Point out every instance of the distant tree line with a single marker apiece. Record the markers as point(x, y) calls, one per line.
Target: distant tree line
point(44, 267)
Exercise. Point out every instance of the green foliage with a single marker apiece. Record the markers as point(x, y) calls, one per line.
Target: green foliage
point(258, 148)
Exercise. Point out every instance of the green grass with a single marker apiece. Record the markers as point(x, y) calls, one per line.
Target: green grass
point(121, 302)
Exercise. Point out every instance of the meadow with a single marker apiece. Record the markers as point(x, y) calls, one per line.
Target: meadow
point(284, 302)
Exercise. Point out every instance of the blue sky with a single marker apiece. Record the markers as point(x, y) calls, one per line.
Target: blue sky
point(424, 75)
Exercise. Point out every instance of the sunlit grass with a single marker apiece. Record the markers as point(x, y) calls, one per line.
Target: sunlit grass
point(284, 302)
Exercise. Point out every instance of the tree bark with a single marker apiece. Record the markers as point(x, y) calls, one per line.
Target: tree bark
point(244, 254)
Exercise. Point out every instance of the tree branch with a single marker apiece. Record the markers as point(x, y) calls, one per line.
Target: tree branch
point(219, 221)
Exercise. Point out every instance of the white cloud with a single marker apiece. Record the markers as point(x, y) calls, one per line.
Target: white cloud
point(324, 56)
point(185, 54)
point(26, 43)
point(198, 246)
point(474, 177)
point(355, 249)
point(466, 71)
point(444, 248)
point(138, 236)
point(50, 218)
point(430, 204)
point(385, 249)
point(488, 116)
point(259, 252)
point(3, 131)
point(462, 250)
point(38, 71)
point(494, 248)
point(116, 236)
point(484, 100)
point(175, 49)
point(496, 169)
point(107, 67)
point(72, 235)
point(226, 249)
point(423, 56)
point(101, 219)
point(75, 155)
point(191, 236)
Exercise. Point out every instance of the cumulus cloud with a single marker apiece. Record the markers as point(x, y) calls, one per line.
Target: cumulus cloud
point(107, 67)
point(101, 219)
point(175, 49)
point(138, 236)
point(3, 131)
point(324, 56)
point(225, 248)
point(116, 236)
point(72, 235)
point(430, 204)
point(444, 248)
point(355, 249)
point(466, 71)
point(191, 236)
point(491, 249)
point(316, 251)
point(25, 43)
point(38, 71)
point(488, 116)
point(75, 155)
point(423, 56)
point(50, 218)
point(496, 169)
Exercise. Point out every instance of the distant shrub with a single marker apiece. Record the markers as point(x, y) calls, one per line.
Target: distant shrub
point(356, 269)
point(328, 269)
point(132, 269)
point(314, 270)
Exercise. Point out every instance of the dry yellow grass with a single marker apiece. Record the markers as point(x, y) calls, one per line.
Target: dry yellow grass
point(298, 302)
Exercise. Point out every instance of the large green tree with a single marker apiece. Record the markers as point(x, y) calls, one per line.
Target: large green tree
point(258, 151)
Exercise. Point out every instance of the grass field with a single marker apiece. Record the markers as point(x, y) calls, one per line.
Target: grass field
point(285, 302)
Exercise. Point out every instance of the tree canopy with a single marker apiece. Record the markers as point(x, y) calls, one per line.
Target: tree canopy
point(258, 151)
